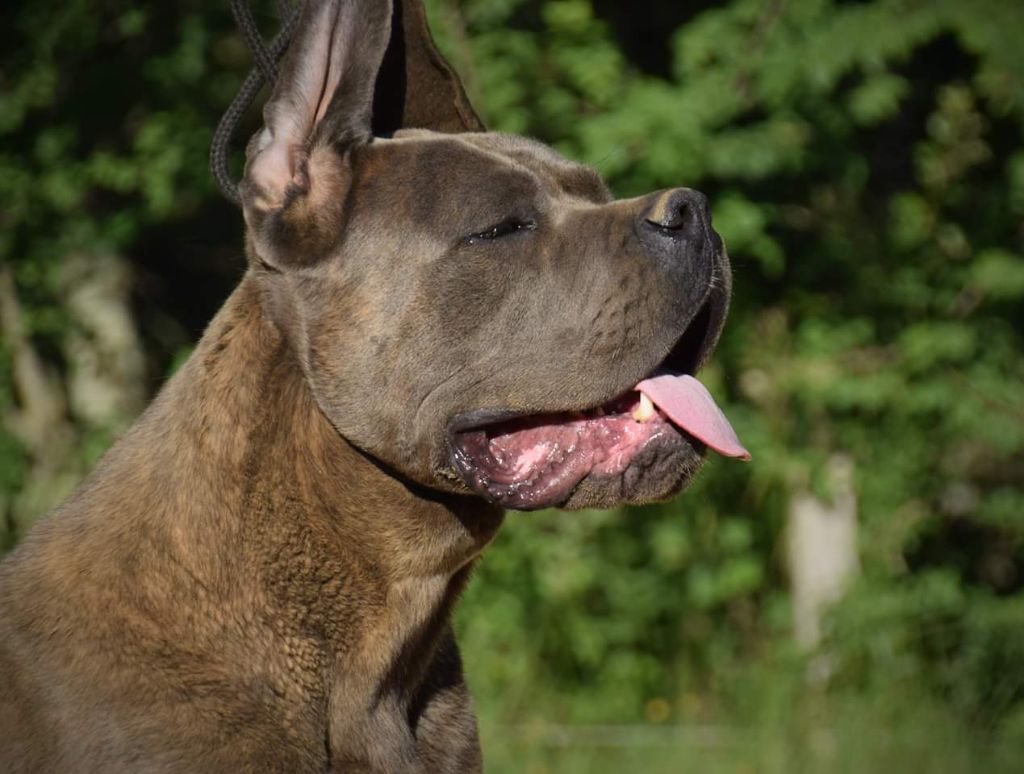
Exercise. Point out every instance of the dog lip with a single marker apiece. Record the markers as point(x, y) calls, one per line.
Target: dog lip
point(541, 488)
point(696, 343)
point(476, 419)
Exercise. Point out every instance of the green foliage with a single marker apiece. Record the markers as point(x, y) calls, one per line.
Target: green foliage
point(866, 169)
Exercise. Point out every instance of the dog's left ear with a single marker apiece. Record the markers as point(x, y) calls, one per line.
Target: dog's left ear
point(295, 178)
point(416, 87)
point(354, 67)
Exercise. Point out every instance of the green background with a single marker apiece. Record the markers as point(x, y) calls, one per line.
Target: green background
point(866, 169)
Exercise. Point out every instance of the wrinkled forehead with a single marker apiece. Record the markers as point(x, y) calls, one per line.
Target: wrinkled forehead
point(491, 155)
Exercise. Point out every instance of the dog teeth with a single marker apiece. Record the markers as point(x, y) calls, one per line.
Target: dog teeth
point(645, 410)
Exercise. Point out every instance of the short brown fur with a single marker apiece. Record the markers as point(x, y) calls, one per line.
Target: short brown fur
point(234, 574)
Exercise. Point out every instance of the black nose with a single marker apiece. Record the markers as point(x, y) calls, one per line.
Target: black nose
point(681, 213)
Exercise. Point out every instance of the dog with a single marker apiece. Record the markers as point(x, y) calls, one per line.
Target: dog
point(437, 323)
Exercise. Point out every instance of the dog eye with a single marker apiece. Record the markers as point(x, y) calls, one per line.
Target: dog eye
point(505, 228)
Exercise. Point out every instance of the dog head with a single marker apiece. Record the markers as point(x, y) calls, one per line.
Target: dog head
point(469, 308)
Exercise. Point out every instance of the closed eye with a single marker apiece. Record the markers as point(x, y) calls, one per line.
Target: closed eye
point(505, 228)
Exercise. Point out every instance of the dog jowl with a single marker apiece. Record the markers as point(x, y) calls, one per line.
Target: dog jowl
point(437, 322)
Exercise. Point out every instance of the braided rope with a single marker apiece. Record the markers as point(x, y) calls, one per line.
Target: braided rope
point(265, 63)
point(265, 71)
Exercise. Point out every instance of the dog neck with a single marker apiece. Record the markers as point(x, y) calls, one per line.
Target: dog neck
point(261, 508)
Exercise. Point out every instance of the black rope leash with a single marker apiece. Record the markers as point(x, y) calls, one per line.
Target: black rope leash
point(265, 71)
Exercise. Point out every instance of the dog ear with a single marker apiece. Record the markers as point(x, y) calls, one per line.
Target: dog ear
point(322, 102)
point(354, 68)
point(416, 87)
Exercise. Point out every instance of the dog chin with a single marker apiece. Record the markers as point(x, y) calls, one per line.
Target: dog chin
point(659, 474)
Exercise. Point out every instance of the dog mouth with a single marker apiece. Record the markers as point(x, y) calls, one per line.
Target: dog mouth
point(538, 461)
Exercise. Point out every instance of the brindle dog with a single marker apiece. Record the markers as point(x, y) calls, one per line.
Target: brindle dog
point(435, 323)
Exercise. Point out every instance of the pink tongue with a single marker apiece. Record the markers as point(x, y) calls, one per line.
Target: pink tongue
point(688, 404)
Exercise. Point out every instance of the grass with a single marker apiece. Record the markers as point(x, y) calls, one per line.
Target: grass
point(887, 730)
